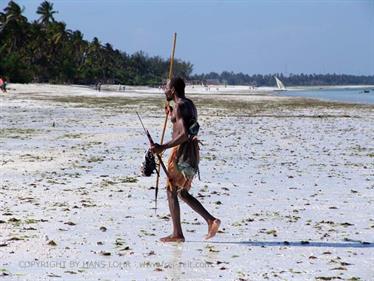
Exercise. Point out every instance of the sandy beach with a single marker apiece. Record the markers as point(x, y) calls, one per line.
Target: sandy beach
point(290, 178)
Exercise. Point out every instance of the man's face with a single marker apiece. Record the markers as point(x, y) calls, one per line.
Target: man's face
point(169, 92)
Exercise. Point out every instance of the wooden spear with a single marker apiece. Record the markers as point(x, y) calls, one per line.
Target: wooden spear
point(166, 116)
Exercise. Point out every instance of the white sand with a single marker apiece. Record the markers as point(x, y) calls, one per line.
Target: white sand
point(271, 170)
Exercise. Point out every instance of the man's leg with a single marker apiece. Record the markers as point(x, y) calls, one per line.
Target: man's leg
point(213, 223)
point(177, 235)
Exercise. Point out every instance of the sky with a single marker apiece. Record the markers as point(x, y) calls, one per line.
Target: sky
point(241, 36)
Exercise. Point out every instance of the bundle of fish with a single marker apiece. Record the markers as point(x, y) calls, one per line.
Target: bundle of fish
point(149, 164)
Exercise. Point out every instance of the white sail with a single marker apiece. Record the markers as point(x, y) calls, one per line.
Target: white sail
point(280, 84)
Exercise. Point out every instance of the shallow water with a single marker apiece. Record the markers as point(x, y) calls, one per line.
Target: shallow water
point(341, 95)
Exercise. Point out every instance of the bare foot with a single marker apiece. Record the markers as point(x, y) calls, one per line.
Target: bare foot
point(213, 227)
point(172, 238)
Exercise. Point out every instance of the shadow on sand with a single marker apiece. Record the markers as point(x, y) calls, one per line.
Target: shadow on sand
point(349, 244)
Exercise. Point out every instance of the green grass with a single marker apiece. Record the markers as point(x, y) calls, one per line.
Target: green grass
point(18, 133)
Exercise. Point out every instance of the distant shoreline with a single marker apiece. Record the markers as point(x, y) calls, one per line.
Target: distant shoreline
point(220, 87)
point(330, 87)
point(238, 94)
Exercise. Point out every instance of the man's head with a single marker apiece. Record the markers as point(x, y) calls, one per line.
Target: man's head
point(175, 87)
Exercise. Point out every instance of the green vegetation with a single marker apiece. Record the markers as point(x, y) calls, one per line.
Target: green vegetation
point(46, 51)
point(18, 133)
point(232, 78)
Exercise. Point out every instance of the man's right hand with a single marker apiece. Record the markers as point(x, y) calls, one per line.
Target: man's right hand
point(157, 148)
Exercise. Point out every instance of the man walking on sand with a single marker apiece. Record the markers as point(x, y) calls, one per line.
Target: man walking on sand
point(183, 161)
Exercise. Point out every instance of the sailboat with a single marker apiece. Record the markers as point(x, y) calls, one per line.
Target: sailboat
point(280, 84)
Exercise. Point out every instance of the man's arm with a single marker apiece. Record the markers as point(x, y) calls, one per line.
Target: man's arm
point(179, 139)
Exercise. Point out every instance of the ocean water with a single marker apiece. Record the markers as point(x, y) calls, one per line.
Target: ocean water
point(356, 95)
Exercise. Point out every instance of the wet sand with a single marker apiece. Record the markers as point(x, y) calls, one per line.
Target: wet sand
point(291, 180)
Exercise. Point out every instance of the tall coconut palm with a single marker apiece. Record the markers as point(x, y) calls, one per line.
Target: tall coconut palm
point(14, 38)
point(13, 27)
point(46, 12)
point(13, 13)
point(58, 33)
point(79, 46)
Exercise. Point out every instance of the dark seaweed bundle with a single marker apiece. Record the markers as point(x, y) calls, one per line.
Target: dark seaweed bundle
point(149, 164)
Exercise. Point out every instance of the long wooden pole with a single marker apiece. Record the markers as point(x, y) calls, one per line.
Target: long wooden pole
point(166, 116)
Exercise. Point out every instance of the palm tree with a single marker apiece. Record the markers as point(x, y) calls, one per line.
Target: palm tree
point(13, 15)
point(13, 27)
point(58, 33)
point(2, 21)
point(46, 12)
point(14, 34)
point(92, 68)
point(79, 46)
point(13, 12)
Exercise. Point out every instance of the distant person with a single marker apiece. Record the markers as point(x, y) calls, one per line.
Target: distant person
point(183, 161)
point(98, 86)
point(3, 84)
